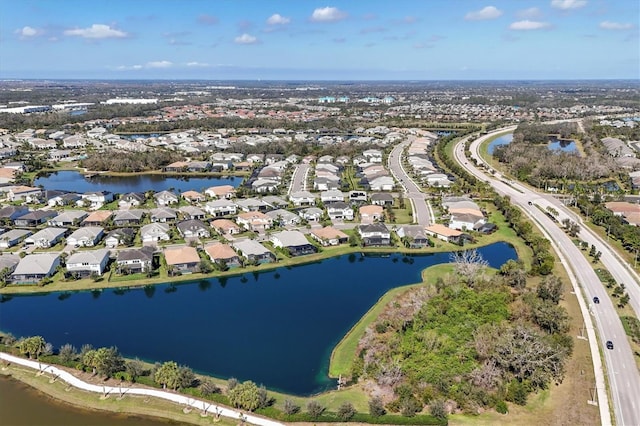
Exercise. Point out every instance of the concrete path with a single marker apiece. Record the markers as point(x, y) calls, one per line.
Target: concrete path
point(198, 404)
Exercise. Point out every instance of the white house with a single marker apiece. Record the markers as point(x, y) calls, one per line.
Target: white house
point(46, 237)
point(88, 262)
point(155, 232)
point(87, 236)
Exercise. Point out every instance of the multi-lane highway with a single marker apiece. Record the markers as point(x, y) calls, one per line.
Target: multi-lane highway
point(621, 370)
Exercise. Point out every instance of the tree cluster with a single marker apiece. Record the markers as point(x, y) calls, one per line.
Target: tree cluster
point(119, 161)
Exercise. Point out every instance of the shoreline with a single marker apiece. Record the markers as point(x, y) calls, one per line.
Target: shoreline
point(88, 284)
point(202, 407)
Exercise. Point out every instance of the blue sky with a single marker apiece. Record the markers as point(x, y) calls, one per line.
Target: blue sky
point(325, 40)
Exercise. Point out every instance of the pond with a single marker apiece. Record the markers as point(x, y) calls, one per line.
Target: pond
point(74, 181)
point(502, 140)
point(277, 328)
point(23, 405)
point(562, 145)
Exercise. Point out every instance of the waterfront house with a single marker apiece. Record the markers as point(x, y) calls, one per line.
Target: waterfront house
point(165, 198)
point(371, 213)
point(35, 218)
point(163, 215)
point(192, 212)
point(45, 238)
point(253, 251)
point(96, 199)
point(97, 218)
point(293, 241)
point(68, 218)
point(60, 198)
point(13, 237)
point(226, 227)
point(35, 267)
point(120, 236)
point(86, 236)
point(155, 232)
point(329, 236)
point(339, 211)
point(8, 262)
point(135, 260)
point(132, 199)
point(223, 254)
point(128, 217)
point(414, 235)
point(375, 234)
point(443, 233)
point(254, 221)
point(221, 207)
point(465, 219)
point(193, 228)
point(87, 262)
point(183, 259)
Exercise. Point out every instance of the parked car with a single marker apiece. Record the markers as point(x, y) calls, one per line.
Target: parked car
point(596, 300)
point(609, 344)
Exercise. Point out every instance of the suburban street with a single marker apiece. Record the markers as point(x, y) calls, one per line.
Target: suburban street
point(421, 210)
point(623, 375)
point(299, 178)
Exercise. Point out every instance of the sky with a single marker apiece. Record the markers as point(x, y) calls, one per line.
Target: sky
point(320, 39)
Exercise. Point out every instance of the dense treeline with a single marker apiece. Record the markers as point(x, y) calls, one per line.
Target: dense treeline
point(628, 235)
point(528, 158)
point(468, 346)
point(119, 161)
point(543, 260)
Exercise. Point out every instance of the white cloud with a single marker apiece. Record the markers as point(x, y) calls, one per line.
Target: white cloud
point(530, 13)
point(568, 4)
point(328, 14)
point(96, 31)
point(246, 39)
point(159, 64)
point(527, 25)
point(137, 67)
point(277, 19)
point(489, 12)
point(126, 67)
point(608, 25)
point(197, 64)
point(27, 31)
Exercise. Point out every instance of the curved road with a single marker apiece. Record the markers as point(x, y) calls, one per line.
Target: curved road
point(624, 379)
point(421, 210)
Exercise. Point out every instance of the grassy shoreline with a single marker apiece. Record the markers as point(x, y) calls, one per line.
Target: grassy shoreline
point(88, 284)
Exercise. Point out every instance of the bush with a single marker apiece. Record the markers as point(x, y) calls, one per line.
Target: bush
point(376, 408)
point(438, 409)
point(501, 407)
point(314, 409)
point(289, 407)
point(346, 411)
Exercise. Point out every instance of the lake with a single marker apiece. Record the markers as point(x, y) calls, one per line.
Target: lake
point(502, 140)
point(74, 181)
point(23, 405)
point(277, 328)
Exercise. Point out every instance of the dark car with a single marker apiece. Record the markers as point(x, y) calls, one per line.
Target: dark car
point(609, 344)
point(596, 300)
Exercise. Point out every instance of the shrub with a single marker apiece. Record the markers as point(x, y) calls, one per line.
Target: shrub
point(346, 411)
point(438, 409)
point(314, 409)
point(290, 408)
point(501, 407)
point(376, 408)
